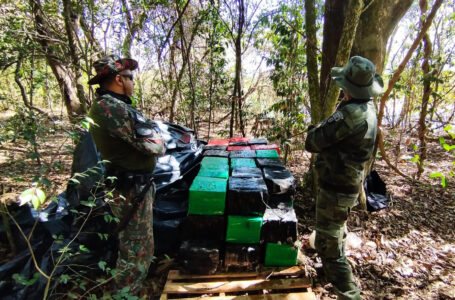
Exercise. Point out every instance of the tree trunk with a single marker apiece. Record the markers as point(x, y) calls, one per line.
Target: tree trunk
point(427, 50)
point(312, 60)
point(376, 24)
point(64, 76)
point(134, 23)
point(347, 39)
point(334, 16)
point(71, 27)
point(237, 94)
point(399, 70)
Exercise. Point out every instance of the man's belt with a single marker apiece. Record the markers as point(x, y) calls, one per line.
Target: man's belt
point(339, 188)
point(126, 179)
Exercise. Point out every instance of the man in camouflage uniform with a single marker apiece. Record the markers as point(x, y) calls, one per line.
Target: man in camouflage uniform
point(131, 144)
point(343, 142)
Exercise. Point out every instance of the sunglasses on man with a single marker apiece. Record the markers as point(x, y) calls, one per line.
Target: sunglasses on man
point(130, 76)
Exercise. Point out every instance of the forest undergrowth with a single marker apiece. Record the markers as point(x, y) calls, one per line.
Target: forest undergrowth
point(406, 251)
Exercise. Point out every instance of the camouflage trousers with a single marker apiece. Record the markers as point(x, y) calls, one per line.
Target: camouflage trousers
point(136, 246)
point(332, 211)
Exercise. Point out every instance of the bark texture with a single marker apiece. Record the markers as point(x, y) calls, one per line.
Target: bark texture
point(64, 75)
point(376, 24)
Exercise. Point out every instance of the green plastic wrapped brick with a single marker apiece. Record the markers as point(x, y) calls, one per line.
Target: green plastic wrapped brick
point(214, 167)
point(272, 153)
point(243, 162)
point(212, 160)
point(280, 255)
point(243, 229)
point(207, 196)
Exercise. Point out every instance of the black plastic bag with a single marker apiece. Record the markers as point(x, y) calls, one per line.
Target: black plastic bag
point(375, 192)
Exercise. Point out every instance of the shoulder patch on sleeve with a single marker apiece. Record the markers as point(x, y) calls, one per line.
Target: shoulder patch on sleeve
point(337, 116)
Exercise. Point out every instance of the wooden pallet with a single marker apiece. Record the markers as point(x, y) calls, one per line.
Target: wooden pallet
point(271, 284)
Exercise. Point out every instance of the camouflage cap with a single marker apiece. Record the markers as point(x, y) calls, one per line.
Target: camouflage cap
point(109, 65)
point(358, 78)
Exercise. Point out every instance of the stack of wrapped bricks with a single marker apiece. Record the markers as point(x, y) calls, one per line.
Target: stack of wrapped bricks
point(240, 212)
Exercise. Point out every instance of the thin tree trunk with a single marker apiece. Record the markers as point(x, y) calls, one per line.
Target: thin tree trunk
point(312, 60)
point(399, 70)
point(237, 94)
point(71, 21)
point(427, 49)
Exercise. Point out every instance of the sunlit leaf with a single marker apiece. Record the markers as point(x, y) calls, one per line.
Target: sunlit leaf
point(34, 195)
point(437, 174)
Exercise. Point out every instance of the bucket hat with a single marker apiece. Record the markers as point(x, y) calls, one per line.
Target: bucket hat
point(111, 64)
point(358, 78)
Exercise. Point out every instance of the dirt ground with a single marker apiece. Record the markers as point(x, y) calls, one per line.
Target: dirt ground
point(406, 251)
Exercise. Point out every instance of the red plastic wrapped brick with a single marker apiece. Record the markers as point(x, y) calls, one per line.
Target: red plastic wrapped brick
point(219, 142)
point(234, 148)
point(266, 147)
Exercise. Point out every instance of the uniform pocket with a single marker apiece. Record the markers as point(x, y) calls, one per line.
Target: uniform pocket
point(347, 200)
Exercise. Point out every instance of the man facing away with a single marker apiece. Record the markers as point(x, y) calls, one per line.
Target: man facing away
point(344, 142)
point(131, 144)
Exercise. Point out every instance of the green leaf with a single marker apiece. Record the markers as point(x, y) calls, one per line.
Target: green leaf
point(34, 195)
point(83, 248)
point(74, 180)
point(24, 281)
point(437, 174)
point(71, 295)
point(443, 182)
point(102, 265)
point(88, 203)
point(416, 159)
point(64, 278)
point(448, 147)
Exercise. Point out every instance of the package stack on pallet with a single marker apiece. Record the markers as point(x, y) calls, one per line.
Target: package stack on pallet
point(240, 209)
point(245, 204)
point(205, 227)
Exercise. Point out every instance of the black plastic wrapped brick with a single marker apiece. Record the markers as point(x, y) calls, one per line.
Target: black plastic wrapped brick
point(199, 257)
point(215, 147)
point(246, 172)
point(216, 153)
point(246, 196)
point(166, 234)
point(276, 200)
point(269, 162)
point(279, 180)
point(245, 257)
point(279, 225)
point(242, 154)
point(204, 227)
point(238, 144)
point(258, 142)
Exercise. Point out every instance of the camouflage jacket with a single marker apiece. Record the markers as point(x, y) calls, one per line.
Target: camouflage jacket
point(124, 137)
point(344, 143)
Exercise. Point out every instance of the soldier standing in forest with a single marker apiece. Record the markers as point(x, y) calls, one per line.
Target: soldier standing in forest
point(344, 142)
point(131, 144)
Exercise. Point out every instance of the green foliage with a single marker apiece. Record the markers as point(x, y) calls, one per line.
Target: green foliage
point(288, 62)
point(24, 281)
point(451, 149)
point(34, 195)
